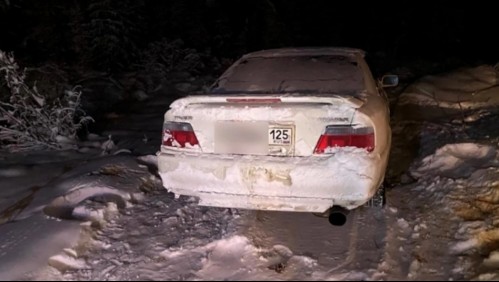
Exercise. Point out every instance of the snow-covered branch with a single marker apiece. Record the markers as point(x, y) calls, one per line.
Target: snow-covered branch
point(29, 120)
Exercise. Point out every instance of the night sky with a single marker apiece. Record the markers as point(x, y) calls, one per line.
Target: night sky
point(80, 32)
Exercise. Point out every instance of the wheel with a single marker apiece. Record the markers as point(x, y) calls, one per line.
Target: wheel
point(378, 200)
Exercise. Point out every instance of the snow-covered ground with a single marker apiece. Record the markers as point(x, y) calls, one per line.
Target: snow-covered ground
point(102, 214)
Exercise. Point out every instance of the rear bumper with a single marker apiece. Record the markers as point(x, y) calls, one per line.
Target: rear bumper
point(348, 178)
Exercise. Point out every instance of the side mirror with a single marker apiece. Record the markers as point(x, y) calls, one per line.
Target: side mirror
point(389, 80)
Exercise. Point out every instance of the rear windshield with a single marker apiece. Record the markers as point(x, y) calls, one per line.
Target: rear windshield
point(300, 74)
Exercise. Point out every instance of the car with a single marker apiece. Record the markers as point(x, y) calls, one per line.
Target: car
point(289, 129)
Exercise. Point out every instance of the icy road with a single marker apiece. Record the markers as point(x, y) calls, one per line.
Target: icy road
point(102, 214)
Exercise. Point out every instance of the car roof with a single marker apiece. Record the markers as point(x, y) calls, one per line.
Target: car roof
point(306, 51)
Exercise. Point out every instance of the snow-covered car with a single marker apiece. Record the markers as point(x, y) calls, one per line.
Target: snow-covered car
point(292, 129)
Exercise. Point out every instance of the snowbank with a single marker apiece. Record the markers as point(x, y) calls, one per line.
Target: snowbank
point(457, 160)
point(466, 94)
point(30, 239)
point(236, 258)
point(466, 88)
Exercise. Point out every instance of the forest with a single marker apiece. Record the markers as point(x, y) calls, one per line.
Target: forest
point(113, 35)
point(93, 56)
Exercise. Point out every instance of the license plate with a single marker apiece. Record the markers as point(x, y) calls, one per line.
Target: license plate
point(241, 138)
point(280, 136)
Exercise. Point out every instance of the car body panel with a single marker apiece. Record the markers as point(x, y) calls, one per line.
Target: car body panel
point(309, 116)
point(348, 178)
point(250, 173)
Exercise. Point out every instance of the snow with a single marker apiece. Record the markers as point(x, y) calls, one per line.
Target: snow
point(441, 223)
point(458, 160)
point(235, 258)
point(492, 261)
point(200, 245)
point(64, 262)
point(462, 89)
point(26, 245)
point(204, 113)
point(464, 246)
point(149, 159)
point(403, 224)
point(349, 177)
point(234, 113)
point(12, 172)
point(234, 254)
point(31, 239)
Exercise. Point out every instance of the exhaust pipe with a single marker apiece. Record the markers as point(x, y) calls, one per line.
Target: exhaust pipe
point(338, 216)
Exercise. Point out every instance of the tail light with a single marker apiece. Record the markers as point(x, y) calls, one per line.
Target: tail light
point(179, 135)
point(345, 136)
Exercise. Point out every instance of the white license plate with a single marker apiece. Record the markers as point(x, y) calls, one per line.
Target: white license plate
point(241, 138)
point(280, 136)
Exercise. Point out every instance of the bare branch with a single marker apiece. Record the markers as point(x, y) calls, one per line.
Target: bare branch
point(31, 121)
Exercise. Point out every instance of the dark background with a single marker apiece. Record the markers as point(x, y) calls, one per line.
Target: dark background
point(109, 35)
point(118, 52)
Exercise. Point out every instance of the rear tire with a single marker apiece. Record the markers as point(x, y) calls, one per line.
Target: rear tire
point(378, 200)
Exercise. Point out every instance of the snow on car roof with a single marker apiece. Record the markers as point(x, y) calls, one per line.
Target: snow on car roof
point(306, 51)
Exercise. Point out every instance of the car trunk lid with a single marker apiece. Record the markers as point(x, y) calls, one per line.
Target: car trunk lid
point(276, 125)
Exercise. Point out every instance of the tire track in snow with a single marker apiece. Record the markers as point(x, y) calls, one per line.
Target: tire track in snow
point(352, 249)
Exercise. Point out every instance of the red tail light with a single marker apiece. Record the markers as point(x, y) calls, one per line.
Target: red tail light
point(179, 135)
point(345, 136)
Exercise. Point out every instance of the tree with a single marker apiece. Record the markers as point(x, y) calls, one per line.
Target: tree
point(109, 32)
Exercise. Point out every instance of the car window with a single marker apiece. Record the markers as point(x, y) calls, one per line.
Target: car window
point(298, 74)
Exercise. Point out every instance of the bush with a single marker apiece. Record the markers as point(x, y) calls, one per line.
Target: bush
point(30, 120)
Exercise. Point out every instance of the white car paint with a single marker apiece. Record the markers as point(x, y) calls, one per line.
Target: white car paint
point(290, 178)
